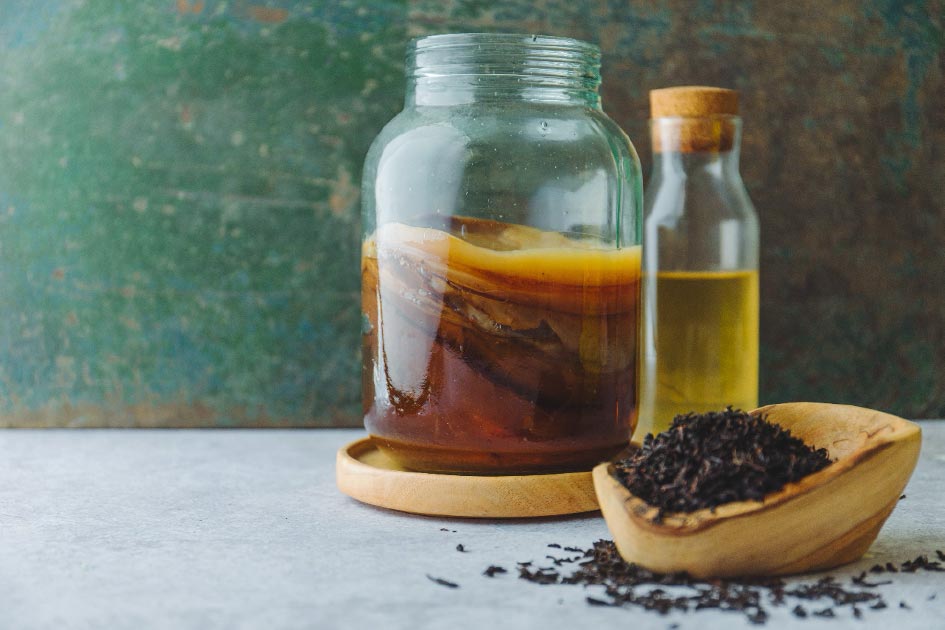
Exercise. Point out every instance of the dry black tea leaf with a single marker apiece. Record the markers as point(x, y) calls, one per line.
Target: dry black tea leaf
point(545, 575)
point(860, 580)
point(442, 582)
point(593, 601)
point(921, 563)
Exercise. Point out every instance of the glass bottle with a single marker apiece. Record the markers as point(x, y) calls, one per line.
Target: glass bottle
point(700, 262)
point(502, 218)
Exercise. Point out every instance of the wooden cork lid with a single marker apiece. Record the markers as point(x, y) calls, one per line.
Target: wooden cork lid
point(692, 118)
point(693, 101)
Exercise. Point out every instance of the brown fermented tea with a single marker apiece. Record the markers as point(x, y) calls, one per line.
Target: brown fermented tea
point(496, 348)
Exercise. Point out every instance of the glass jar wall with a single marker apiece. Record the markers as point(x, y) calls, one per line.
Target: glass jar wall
point(501, 260)
point(700, 269)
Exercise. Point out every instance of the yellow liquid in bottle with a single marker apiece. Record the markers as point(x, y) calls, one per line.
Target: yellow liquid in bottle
point(700, 345)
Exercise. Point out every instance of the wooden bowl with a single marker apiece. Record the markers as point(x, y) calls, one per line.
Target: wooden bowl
point(826, 519)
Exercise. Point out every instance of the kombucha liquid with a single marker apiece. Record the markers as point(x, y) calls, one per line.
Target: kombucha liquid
point(492, 348)
point(700, 351)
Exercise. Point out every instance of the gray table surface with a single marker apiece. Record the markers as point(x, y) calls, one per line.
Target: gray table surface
point(245, 529)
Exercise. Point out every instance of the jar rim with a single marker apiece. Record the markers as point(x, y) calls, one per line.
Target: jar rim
point(534, 42)
point(460, 68)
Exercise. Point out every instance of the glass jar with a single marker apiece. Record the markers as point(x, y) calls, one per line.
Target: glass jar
point(700, 262)
point(502, 218)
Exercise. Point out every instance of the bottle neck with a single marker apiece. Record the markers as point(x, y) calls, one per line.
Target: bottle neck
point(684, 145)
point(445, 70)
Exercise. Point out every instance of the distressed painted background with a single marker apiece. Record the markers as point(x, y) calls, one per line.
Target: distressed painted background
point(179, 208)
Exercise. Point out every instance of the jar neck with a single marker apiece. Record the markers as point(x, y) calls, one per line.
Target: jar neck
point(681, 145)
point(444, 70)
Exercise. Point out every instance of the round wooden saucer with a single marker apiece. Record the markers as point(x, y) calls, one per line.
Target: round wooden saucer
point(366, 474)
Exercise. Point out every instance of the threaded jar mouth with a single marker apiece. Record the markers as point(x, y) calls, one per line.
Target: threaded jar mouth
point(505, 60)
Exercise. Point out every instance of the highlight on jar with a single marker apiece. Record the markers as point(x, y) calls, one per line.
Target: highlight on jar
point(502, 214)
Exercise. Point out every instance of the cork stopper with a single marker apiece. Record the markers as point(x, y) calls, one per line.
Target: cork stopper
point(704, 124)
point(693, 101)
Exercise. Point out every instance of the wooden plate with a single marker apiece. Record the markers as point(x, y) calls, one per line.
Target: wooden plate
point(366, 474)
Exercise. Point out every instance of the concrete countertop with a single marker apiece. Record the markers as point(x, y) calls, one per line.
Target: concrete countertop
point(245, 529)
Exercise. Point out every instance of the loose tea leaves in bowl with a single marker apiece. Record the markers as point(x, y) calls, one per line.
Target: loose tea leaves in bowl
point(706, 460)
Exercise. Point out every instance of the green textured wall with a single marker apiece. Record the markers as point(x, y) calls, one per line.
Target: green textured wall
point(179, 212)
